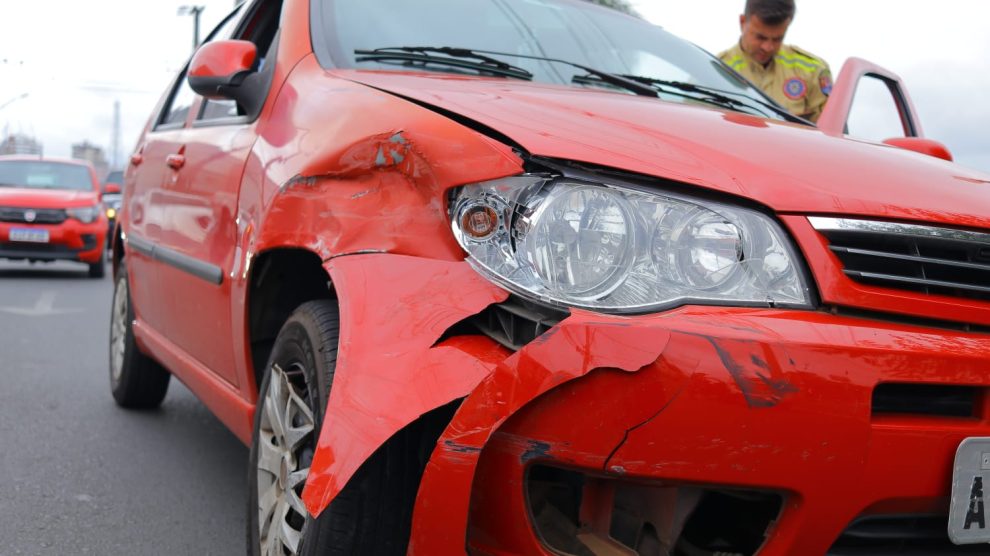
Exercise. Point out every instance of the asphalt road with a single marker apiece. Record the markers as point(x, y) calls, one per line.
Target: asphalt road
point(78, 475)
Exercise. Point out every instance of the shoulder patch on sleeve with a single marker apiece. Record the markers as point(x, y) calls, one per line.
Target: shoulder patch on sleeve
point(825, 82)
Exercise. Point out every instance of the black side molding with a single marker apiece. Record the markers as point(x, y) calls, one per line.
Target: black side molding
point(205, 271)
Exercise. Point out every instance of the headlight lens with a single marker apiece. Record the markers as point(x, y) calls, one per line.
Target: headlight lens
point(111, 213)
point(86, 215)
point(610, 248)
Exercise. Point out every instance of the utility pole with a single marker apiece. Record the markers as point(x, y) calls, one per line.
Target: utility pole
point(115, 142)
point(193, 11)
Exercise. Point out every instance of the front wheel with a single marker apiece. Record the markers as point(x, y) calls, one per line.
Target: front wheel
point(372, 515)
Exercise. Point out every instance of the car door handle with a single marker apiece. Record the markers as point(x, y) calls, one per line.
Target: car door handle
point(137, 159)
point(175, 160)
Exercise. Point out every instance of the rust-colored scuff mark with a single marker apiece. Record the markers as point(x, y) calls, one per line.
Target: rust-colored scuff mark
point(461, 449)
point(759, 381)
point(299, 181)
point(387, 151)
point(536, 449)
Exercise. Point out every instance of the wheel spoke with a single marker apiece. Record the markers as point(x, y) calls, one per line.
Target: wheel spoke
point(295, 435)
point(274, 404)
point(290, 537)
point(297, 478)
point(296, 503)
point(269, 457)
point(266, 508)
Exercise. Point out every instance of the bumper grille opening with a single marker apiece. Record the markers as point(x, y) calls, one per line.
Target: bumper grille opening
point(926, 399)
point(583, 515)
point(900, 535)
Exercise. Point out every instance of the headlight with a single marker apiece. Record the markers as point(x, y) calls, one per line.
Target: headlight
point(111, 213)
point(616, 249)
point(86, 215)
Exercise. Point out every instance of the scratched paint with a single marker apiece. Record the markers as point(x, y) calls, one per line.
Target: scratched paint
point(582, 342)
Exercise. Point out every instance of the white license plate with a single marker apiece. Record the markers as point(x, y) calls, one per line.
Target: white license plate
point(29, 235)
point(969, 512)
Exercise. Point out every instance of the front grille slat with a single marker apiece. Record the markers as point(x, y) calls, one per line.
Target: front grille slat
point(41, 215)
point(914, 281)
point(910, 258)
point(925, 259)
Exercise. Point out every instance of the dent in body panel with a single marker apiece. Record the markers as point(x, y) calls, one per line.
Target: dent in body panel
point(581, 343)
point(372, 177)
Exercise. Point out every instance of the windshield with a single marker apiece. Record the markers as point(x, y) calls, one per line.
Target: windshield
point(39, 174)
point(115, 177)
point(571, 30)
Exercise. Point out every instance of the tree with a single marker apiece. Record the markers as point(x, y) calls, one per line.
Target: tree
point(621, 5)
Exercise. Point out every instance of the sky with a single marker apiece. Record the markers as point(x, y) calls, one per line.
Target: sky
point(74, 59)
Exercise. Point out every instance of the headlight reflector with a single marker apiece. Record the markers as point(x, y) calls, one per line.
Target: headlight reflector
point(617, 249)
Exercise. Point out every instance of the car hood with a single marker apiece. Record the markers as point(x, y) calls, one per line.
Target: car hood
point(45, 198)
point(790, 168)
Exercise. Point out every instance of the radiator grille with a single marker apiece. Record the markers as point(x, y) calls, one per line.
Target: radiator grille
point(924, 259)
point(32, 215)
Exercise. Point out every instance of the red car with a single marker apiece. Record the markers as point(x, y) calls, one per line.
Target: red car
point(50, 210)
point(536, 277)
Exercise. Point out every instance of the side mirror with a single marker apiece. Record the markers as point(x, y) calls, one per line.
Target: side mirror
point(111, 187)
point(218, 69)
point(921, 145)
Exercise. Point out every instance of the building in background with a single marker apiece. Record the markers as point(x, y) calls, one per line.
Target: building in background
point(19, 143)
point(94, 154)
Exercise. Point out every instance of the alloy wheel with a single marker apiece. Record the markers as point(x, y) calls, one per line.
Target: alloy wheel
point(118, 329)
point(285, 441)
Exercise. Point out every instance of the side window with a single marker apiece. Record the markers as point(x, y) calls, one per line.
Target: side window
point(183, 97)
point(259, 27)
point(179, 105)
point(874, 115)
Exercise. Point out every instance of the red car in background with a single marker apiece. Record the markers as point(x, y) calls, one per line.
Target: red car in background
point(536, 277)
point(50, 210)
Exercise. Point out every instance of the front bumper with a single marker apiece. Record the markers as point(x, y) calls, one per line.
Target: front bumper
point(70, 240)
point(765, 400)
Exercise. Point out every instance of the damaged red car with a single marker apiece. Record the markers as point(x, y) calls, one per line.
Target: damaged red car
point(536, 277)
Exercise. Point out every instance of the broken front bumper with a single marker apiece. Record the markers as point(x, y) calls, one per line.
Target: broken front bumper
point(837, 417)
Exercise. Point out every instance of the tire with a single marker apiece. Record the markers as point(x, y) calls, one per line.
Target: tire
point(98, 269)
point(136, 380)
point(373, 514)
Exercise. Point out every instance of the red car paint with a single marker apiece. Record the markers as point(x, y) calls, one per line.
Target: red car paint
point(766, 398)
point(70, 239)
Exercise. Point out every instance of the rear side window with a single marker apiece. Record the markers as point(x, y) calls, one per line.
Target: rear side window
point(32, 174)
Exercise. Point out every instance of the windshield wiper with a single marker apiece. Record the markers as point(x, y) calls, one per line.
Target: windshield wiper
point(718, 95)
point(455, 57)
point(487, 63)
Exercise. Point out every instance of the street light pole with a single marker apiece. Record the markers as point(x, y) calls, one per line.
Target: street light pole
point(193, 11)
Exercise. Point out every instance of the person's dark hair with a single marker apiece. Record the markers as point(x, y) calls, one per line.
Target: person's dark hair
point(771, 12)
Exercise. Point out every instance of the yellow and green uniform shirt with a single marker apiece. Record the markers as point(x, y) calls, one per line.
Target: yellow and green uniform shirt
point(797, 79)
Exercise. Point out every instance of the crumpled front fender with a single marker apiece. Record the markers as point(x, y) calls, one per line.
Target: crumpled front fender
point(390, 368)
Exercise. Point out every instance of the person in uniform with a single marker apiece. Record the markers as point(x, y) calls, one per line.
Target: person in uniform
point(795, 78)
